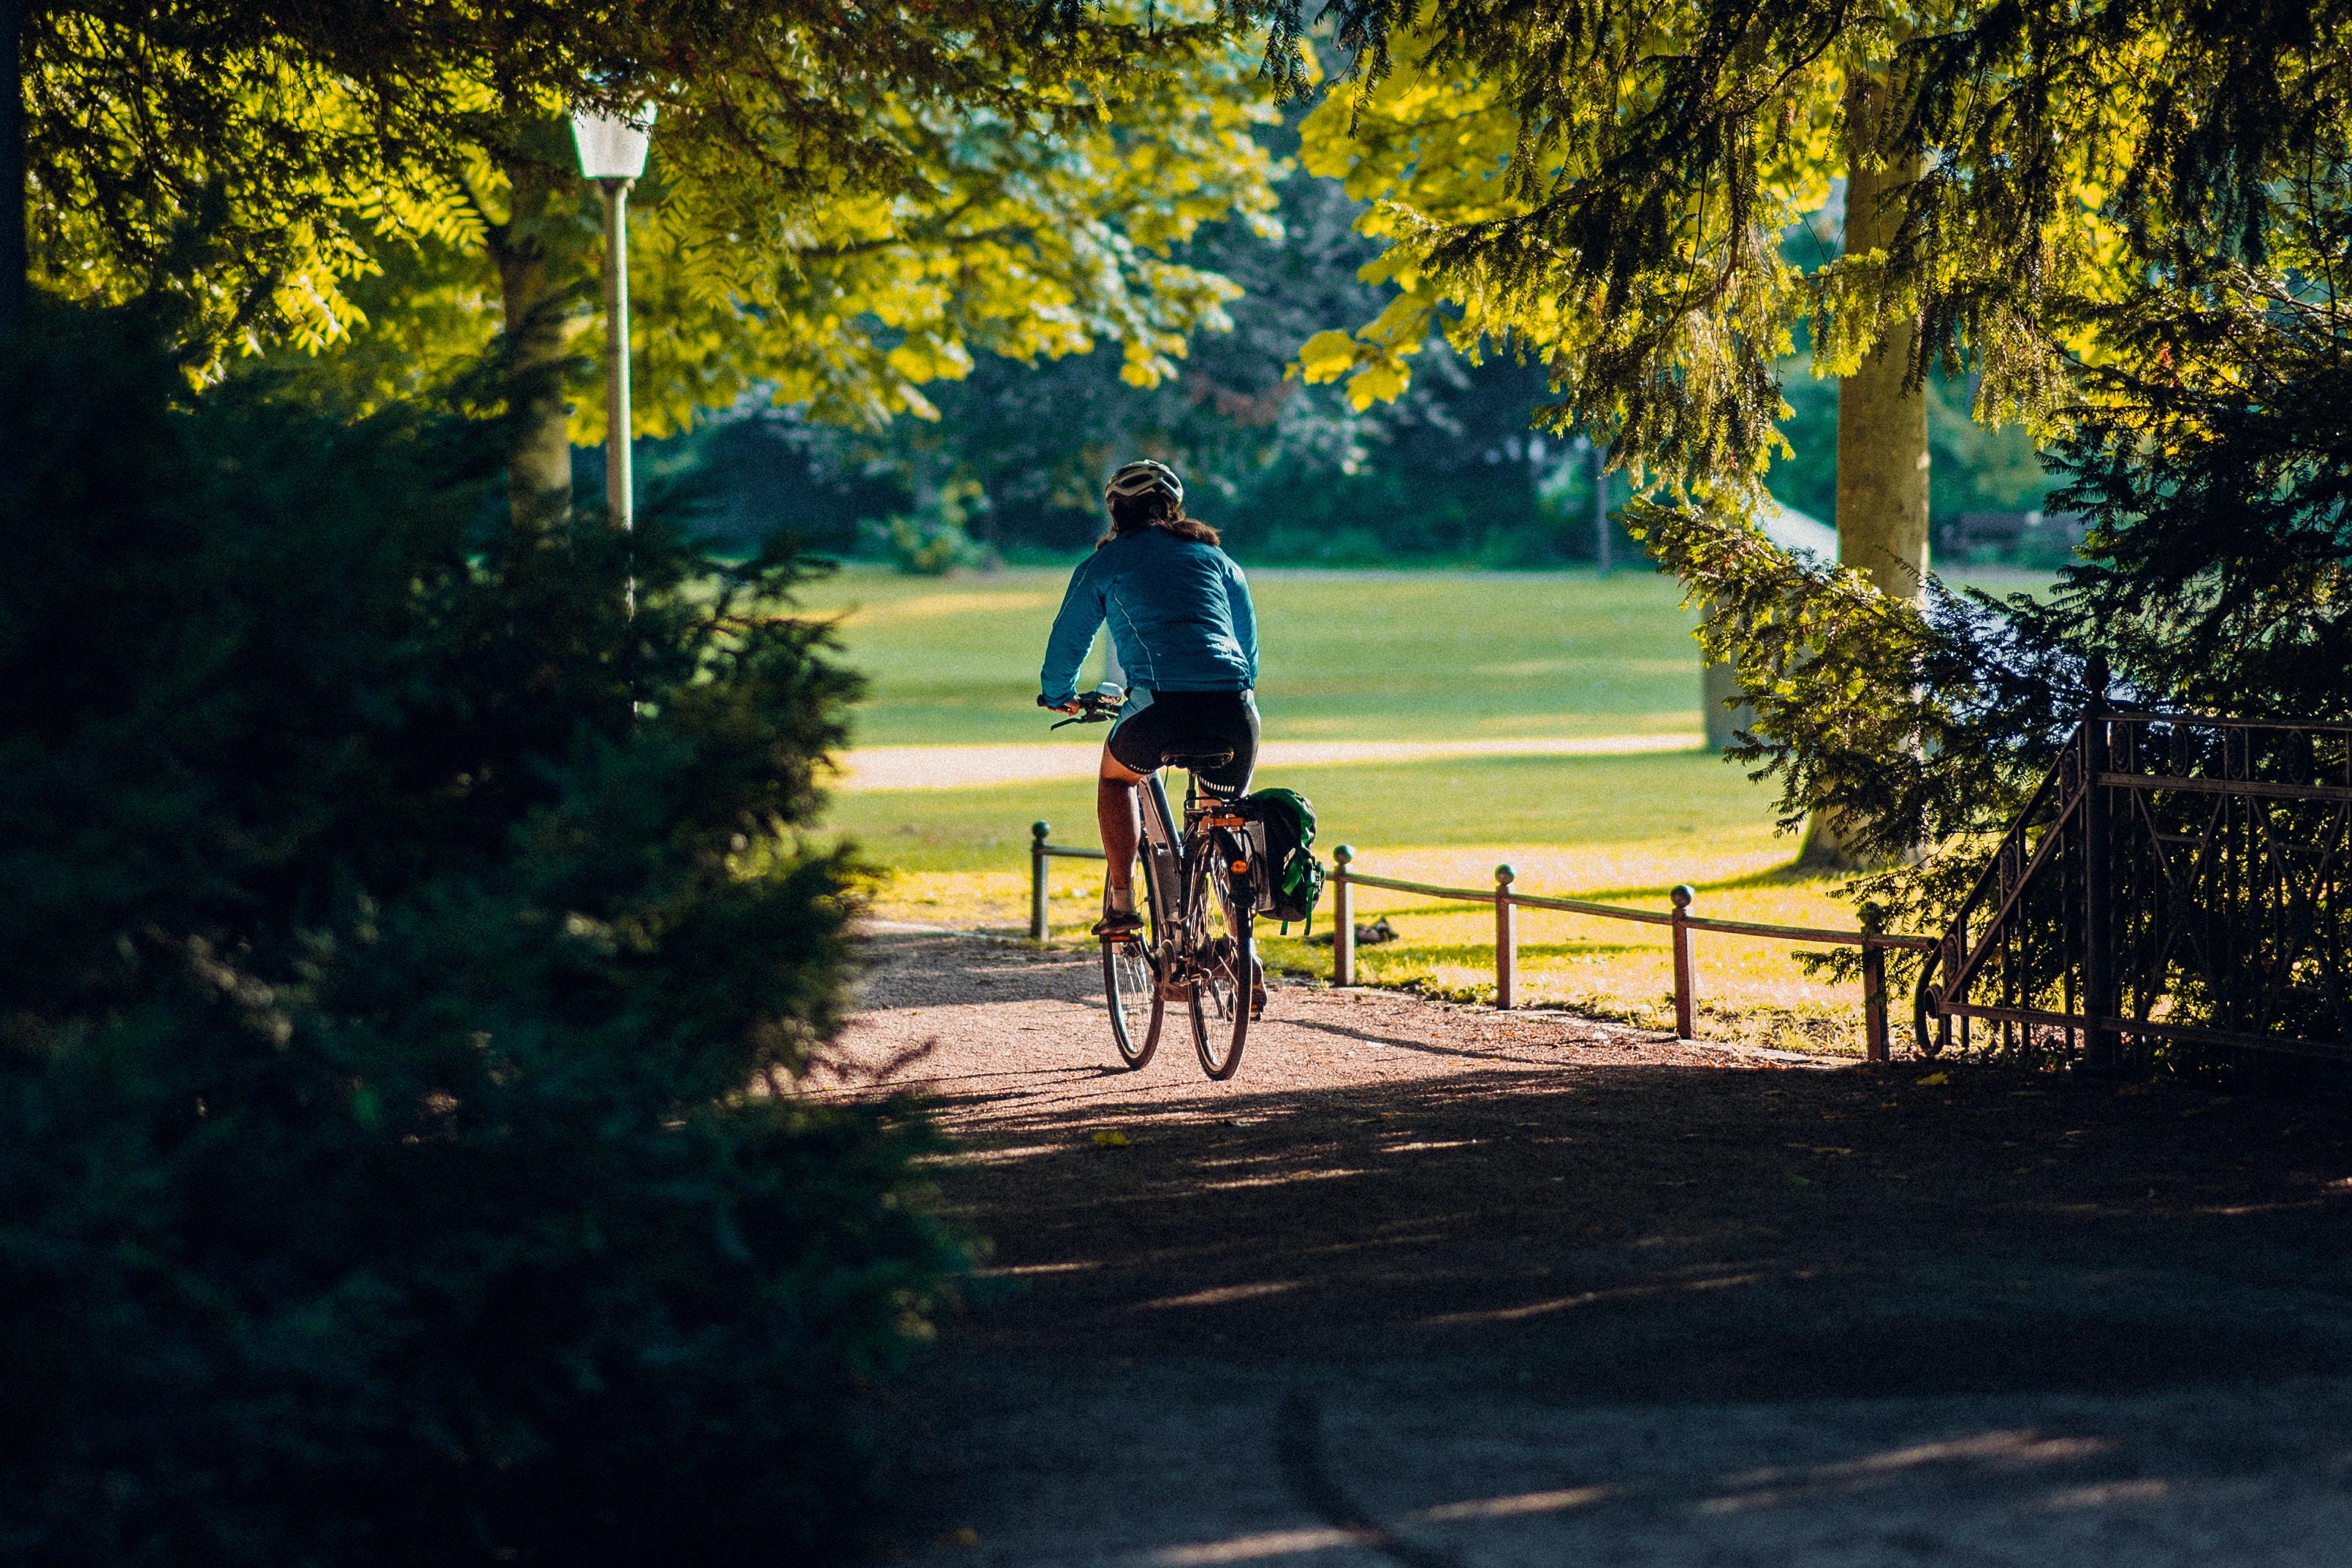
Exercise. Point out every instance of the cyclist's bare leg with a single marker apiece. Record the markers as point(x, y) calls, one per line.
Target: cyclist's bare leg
point(1115, 813)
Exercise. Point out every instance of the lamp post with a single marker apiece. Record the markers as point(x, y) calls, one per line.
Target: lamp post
point(613, 153)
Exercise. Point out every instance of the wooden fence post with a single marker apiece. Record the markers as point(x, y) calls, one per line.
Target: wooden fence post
point(2102, 996)
point(1875, 1046)
point(1681, 896)
point(1506, 940)
point(1037, 832)
point(1343, 919)
point(1873, 1002)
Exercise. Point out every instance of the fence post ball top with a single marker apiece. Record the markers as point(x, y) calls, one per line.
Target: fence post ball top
point(1343, 853)
point(1503, 876)
point(1038, 830)
point(1682, 894)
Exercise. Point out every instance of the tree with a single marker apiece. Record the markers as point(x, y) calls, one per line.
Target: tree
point(1004, 238)
point(414, 950)
point(2211, 460)
point(1284, 470)
point(1603, 195)
point(1606, 193)
point(1675, 352)
point(848, 201)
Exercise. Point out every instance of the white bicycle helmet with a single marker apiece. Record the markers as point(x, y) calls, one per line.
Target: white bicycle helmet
point(1142, 477)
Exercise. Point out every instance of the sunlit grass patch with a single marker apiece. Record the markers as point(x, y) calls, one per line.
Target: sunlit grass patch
point(1385, 655)
point(1748, 989)
point(1568, 827)
point(1360, 656)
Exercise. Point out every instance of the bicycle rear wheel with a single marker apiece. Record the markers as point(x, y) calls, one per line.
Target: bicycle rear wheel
point(1131, 984)
point(1227, 956)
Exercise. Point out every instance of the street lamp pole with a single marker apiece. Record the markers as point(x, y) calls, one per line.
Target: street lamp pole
point(619, 488)
point(613, 153)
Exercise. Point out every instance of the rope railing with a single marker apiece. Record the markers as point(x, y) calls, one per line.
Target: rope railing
point(1507, 900)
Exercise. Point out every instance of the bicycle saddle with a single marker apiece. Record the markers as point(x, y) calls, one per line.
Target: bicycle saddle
point(1193, 762)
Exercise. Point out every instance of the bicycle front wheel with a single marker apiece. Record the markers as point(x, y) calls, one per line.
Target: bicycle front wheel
point(1226, 953)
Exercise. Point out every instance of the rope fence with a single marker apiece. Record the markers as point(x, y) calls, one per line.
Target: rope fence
point(1507, 900)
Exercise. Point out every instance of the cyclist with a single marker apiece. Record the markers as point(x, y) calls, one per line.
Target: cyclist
point(1185, 633)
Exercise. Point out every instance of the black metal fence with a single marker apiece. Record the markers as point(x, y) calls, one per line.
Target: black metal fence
point(2172, 878)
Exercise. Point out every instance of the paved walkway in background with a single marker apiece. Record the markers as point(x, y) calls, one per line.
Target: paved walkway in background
point(1433, 1285)
point(964, 767)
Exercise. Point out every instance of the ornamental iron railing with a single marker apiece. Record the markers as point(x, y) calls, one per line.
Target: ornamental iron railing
point(2174, 878)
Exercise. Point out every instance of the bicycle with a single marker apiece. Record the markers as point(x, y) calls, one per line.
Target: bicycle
point(1198, 905)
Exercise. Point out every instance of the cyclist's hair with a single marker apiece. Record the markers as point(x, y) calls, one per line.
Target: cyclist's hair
point(1157, 509)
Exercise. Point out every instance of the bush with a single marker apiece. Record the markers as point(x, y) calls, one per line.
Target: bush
point(934, 542)
point(404, 942)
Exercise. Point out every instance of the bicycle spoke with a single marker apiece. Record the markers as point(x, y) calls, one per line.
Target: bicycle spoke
point(1131, 978)
point(1225, 958)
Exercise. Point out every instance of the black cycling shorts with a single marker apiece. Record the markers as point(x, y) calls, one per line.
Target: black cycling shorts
point(1181, 724)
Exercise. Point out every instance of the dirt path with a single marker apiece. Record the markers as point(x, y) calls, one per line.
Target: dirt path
point(1433, 1285)
point(963, 767)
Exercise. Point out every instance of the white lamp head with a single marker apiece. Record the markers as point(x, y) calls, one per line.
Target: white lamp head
point(613, 147)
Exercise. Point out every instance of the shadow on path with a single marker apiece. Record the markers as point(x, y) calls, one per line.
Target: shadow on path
point(1544, 1305)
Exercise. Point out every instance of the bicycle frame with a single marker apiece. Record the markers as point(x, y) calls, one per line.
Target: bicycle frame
point(1163, 873)
point(1165, 850)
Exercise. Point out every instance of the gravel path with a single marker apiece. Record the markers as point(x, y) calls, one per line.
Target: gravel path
point(962, 767)
point(1436, 1286)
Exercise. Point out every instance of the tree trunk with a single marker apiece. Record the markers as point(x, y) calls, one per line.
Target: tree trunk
point(1724, 706)
point(1882, 433)
point(536, 310)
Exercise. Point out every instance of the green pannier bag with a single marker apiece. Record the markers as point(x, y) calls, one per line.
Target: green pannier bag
point(1289, 878)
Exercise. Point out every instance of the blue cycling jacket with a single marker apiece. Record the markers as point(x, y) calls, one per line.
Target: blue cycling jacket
point(1179, 617)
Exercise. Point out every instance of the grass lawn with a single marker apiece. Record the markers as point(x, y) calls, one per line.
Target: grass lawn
point(1385, 655)
point(1355, 656)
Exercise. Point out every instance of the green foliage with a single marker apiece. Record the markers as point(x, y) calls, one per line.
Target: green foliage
point(1533, 195)
point(411, 955)
point(1974, 469)
point(844, 204)
point(2214, 474)
point(2211, 466)
point(934, 542)
point(1287, 472)
point(1917, 724)
point(1602, 192)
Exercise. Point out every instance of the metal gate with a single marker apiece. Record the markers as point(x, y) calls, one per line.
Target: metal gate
point(2172, 878)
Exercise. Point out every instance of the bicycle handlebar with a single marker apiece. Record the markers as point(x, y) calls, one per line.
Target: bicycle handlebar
point(1094, 708)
